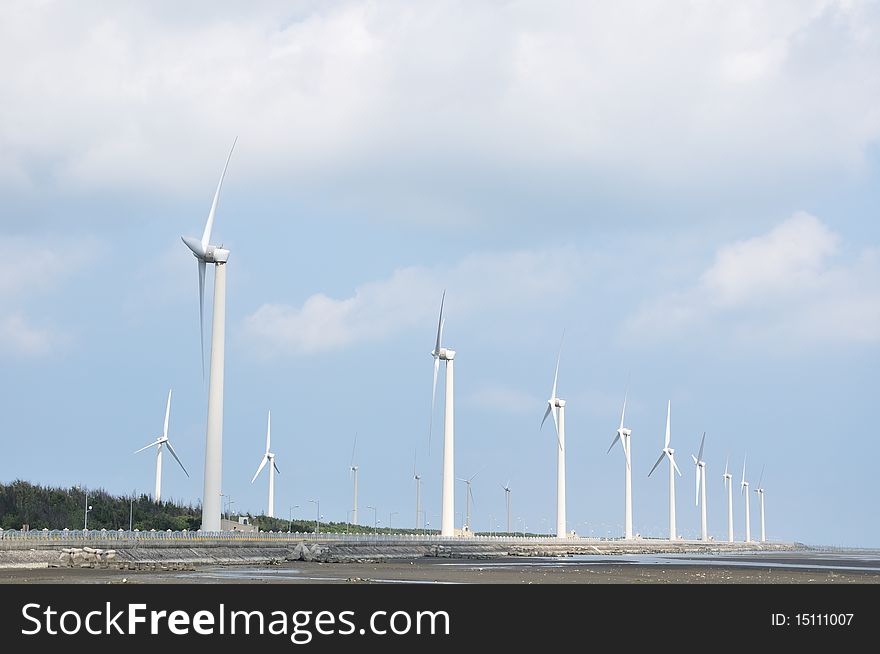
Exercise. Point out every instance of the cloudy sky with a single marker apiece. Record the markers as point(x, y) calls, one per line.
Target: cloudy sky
point(690, 191)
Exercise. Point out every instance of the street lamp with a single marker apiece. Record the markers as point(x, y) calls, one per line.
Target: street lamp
point(88, 508)
point(317, 503)
point(374, 519)
point(290, 517)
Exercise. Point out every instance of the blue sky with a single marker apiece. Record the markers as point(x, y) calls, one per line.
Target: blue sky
point(691, 192)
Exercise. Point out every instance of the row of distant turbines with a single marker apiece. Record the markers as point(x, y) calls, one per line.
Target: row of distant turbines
point(205, 252)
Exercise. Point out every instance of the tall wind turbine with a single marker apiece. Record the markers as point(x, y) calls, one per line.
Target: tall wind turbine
point(700, 466)
point(744, 491)
point(728, 486)
point(669, 453)
point(469, 498)
point(556, 407)
point(418, 479)
point(760, 491)
point(159, 443)
point(440, 353)
point(623, 435)
point(353, 469)
point(507, 492)
point(207, 253)
point(269, 458)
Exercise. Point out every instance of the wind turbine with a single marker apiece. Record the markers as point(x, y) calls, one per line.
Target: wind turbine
point(447, 515)
point(269, 458)
point(207, 253)
point(469, 498)
point(353, 473)
point(623, 435)
point(418, 479)
point(760, 491)
point(744, 491)
point(669, 453)
point(700, 466)
point(728, 486)
point(159, 442)
point(507, 492)
point(556, 407)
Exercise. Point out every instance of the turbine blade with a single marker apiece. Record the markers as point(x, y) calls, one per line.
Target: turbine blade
point(275, 465)
point(440, 325)
point(146, 447)
point(209, 225)
point(697, 496)
point(761, 477)
point(268, 431)
point(260, 469)
point(674, 464)
point(668, 411)
point(726, 461)
point(546, 413)
point(167, 414)
point(202, 312)
point(662, 454)
point(353, 447)
point(471, 493)
point(744, 468)
point(702, 443)
point(433, 401)
point(614, 442)
point(623, 413)
point(176, 458)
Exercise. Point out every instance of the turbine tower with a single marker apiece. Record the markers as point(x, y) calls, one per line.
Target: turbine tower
point(353, 473)
point(760, 491)
point(440, 353)
point(507, 492)
point(159, 443)
point(418, 479)
point(728, 486)
point(469, 498)
point(700, 466)
point(207, 253)
point(623, 435)
point(669, 453)
point(744, 491)
point(556, 407)
point(269, 458)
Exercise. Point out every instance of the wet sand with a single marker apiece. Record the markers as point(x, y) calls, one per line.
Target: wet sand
point(721, 570)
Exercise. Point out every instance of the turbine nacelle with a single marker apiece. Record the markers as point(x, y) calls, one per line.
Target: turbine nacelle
point(558, 403)
point(208, 254)
point(444, 354)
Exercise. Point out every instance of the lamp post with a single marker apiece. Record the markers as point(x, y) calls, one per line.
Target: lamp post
point(88, 508)
point(290, 517)
point(374, 519)
point(131, 511)
point(317, 504)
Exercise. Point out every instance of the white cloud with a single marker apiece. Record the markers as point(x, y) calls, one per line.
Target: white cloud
point(410, 297)
point(790, 287)
point(148, 95)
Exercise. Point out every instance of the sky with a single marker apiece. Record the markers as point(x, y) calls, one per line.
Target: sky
point(690, 191)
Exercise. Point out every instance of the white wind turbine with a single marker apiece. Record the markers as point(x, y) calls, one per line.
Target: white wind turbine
point(669, 453)
point(447, 515)
point(418, 479)
point(728, 486)
point(760, 491)
point(269, 458)
point(556, 407)
point(744, 491)
point(507, 492)
point(623, 435)
point(159, 443)
point(700, 466)
point(353, 469)
point(207, 253)
point(469, 498)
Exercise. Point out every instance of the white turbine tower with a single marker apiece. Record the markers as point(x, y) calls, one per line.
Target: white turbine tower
point(159, 443)
point(469, 498)
point(744, 491)
point(440, 353)
point(669, 453)
point(207, 253)
point(623, 435)
point(353, 469)
point(418, 479)
point(507, 492)
point(728, 486)
point(269, 458)
point(700, 466)
point(556, 408)
point(760, 491)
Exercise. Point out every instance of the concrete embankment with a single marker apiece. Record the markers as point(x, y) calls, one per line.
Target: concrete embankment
point(168, 555)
